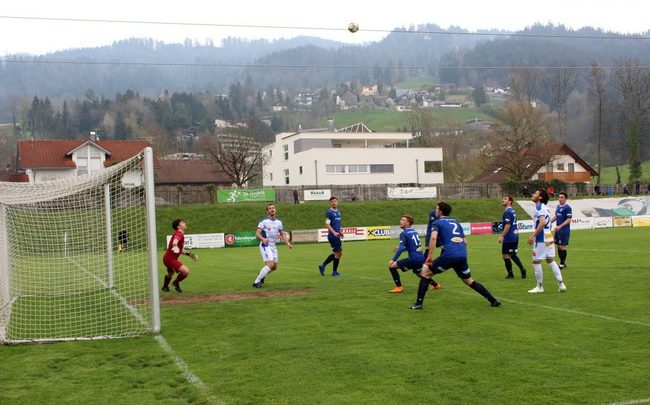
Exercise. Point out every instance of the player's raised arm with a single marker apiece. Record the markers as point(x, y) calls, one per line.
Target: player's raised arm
point(432, 245)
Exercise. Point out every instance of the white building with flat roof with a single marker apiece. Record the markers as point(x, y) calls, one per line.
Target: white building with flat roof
point(351, 155)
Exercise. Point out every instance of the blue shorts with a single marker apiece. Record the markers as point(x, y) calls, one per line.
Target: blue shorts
point(459, 264)
point(562, 238)
point(335, 243)
point(410, 264)
point(509, 248)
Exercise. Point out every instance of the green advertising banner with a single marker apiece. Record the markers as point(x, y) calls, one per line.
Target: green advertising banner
point(237, 239)
point(245, 195)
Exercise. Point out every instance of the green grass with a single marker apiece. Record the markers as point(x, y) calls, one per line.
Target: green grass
point(345, 341)
point(245, 217)
point(417, 83)
point(392, 121)
point(608, 176)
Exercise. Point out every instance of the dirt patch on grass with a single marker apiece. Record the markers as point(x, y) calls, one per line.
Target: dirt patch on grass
point(182, 299)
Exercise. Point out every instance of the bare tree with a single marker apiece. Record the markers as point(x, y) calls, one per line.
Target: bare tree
point(598, 81)
point(560, 83)
point(524, 84)
point(521, 142)
point(237, 154)
point(633, 82)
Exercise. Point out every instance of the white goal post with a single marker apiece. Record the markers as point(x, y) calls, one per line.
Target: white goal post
point(78, 256)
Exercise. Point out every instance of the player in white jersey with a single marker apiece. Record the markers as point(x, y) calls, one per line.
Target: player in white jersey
point(542, 241)
point(267, 232)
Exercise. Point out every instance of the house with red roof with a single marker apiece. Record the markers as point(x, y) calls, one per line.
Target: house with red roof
point(43, 160)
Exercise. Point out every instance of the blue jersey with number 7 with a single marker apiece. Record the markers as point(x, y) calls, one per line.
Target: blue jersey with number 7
point(450, 236)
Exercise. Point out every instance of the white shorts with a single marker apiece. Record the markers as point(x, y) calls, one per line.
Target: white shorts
point(544, 250)
point(269, 253)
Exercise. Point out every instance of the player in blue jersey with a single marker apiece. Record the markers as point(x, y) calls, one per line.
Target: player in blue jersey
point(542, 240)
point(562, 219)
point(334, 236)
point(453, 255)
point(509, 238)
point(268, 230)
point(409, 241)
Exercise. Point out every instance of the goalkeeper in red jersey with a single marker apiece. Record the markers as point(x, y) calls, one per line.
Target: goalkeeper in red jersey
point(170, 259)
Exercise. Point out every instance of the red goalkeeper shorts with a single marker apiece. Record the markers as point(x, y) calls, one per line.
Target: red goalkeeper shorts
point(172, 264)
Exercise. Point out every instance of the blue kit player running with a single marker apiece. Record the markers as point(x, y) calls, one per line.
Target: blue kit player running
point(267, 232)
point(509, 238)
point(453, 255)
point(334, 236)
point(409, 241)
point(543, 244)
point(562, 219)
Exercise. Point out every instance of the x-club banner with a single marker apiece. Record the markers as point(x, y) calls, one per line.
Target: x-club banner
point(349, 234)
point(378, 232)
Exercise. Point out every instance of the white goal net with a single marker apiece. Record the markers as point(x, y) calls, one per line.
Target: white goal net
point(77, 256)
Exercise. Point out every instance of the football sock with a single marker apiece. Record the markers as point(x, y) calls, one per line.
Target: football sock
point(329, 259)
point(508, 263)
point(539, 273)
point(562, 254)
point(478, 287)
point(518, 262)
point(180, 278)
point(168, 279)
point(556, 271)
point(422, 290)
point(396, 278)
point(433, 282)
point(336, 265)
point(265, 270)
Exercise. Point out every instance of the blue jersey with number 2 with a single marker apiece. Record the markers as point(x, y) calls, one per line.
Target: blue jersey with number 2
point(451, 237)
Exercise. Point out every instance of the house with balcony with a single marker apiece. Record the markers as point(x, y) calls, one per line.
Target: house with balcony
point(350, 155)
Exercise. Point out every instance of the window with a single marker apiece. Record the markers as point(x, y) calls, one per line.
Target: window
point(271, 153)
point(286, 176)
point(357, 168)
point(381, 169)
point(336, 145)
point(433, 166)
point(572, 167)
point(560, 167)
point(334, 169)
point(271, 176)
point(300, 169)
point(285, 148)
point(88, 164)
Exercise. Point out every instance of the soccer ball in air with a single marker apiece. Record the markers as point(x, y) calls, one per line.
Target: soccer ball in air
point(353, 27)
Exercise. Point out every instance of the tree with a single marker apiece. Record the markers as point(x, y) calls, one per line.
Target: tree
point(633, 82)
point(521, 141)
point(524, 84)
point(237, 154)
point(478, 94)
point(559, 84)
point(598, 82)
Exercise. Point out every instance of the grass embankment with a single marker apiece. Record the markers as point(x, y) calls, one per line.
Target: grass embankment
point(245, 217)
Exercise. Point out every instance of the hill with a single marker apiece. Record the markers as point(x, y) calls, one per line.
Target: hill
point(608, 176)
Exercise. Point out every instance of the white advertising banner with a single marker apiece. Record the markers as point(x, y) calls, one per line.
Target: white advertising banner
point(598, 207)
point(317, 195)
point(582, 223)
point(526, 226)
point(467, 228)
point(400, 193)
point(202, 240)
point(603, 222)
point(349, 234)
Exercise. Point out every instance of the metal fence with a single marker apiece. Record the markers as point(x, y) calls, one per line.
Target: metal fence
point(185, 195)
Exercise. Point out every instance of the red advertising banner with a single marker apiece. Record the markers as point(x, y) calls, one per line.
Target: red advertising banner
point(481, 228)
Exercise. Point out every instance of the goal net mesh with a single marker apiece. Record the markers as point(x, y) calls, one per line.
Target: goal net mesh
point(73, 257)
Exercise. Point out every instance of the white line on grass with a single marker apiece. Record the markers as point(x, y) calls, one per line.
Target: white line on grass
point(632, 402)
point(187, 374)
point(607, 318)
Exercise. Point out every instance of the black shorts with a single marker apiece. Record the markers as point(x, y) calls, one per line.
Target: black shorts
point(509, 248)
point(459, 264)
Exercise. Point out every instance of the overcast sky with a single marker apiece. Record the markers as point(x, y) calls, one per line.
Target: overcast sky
point(19, 35)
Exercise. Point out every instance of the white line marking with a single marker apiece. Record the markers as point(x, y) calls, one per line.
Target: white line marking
point(607, 318)
point(187, 374)
point(632, 402)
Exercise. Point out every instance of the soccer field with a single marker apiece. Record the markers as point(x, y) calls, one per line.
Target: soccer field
point(311, 339)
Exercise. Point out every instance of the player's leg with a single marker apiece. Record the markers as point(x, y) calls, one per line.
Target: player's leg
point(338, 252)
point(269, 265)
point(508, 264)
point(167, 279)
point(539, 253)
point(426, 274)
point(562, 240)
point(183, 271)
point(556, 270)
point(514, 256)
point(330, 258)
point(462, 271)
point(392, 268)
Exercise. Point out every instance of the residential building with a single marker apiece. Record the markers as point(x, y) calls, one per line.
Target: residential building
point(43, 160)
point(351, 155)
point(564, 164)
